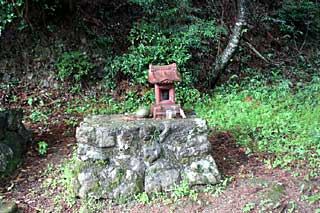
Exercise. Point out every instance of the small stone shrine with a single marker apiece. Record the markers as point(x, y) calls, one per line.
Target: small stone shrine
point(163, 78)
point(118, 157)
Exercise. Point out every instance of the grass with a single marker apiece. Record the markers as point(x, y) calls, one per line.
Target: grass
point(277, 119)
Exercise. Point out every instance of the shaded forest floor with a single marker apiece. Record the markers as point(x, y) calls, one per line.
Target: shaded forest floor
point(253, 187)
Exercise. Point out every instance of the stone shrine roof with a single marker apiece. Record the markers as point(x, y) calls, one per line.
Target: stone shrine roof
point(163, 74)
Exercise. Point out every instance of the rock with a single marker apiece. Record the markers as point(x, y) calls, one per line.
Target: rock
point(116, 181)
point(161, 176)
point(6, 155)
point(151, 152)
point(14, 139)
point(203, 171)
point(194, 147)
point(45, 83)
point(119, 158)
point(87, 181)
point(6, 77)
point(137, 165)
point(143, 112)
point(104, 139)
point(86, 135)
point(14, 119)
point(162, 180)
point(8, 207)
point(132, 183)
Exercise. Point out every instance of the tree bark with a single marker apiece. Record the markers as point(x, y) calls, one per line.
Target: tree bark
point(233, 44)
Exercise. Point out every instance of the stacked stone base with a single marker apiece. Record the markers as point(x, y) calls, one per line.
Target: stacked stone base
point(119, 158)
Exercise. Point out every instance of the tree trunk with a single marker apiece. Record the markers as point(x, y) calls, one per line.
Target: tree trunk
point(228, 53)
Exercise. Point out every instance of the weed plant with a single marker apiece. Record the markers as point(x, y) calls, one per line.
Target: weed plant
point(42, 148)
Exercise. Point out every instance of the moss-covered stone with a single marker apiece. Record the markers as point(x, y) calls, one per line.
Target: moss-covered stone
point(8, 207)
point(147, 155)
point(14, 139)
point(275, 192)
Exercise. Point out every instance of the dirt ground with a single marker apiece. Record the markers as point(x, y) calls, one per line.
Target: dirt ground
point(254, 187)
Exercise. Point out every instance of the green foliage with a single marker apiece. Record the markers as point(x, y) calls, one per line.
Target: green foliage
point(248, 207)
point(69, 170)
point(273, 119)
point(152, 47)
point(183, 190)
point(108, 105)
point(128, 103)
point(133, 100)
point(300, 17)
point(35, 100)
point(37, 116)
point(155, 48)
point(312, 199)
point(72, 121)
point(64, 175)
point(188, 97)
point(219, 187)
point(49, 7)
point(168, 35)
point(75, 67)
point(142, 198)
point(42, 147)
point(166, 12)
point(8, 12)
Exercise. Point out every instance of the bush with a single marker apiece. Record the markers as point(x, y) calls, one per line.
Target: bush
point(300, 17)
point(151, 46)
point(8, 12)
point(74, 67)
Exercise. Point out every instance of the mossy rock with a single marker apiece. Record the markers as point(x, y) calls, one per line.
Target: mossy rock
point(14, 139)
point(8, 207)
point(143, 112)
point(275, 192)
point(15, 142)
point(147, 155)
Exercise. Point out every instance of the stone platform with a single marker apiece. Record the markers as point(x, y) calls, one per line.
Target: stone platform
point(121, 157)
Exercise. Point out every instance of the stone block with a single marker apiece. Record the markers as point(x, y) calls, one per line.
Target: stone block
point(118, 157)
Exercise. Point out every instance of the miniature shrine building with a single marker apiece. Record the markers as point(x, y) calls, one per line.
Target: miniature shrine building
point(163, 78)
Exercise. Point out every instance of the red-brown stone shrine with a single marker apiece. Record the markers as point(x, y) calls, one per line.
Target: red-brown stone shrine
point(163, 78)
